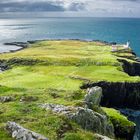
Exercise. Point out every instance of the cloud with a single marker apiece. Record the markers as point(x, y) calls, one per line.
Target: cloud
point(96, 7)
point(42, 5)
point(25, 6)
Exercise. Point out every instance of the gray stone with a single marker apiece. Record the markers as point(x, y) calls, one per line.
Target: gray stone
point(4, 99)
point(20, 133)
point(93, 121)
point(86, 118)
point(93, 97)
point(59, 109)
point(101, 137)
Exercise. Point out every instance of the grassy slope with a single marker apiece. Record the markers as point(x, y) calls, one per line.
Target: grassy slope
point(61, 67)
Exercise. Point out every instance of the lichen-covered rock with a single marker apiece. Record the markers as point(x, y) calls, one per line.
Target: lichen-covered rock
point(93, 97)
point(86, 118)
point(60, 109)
point(93, 121)
point(20, 133)
point(4, 99)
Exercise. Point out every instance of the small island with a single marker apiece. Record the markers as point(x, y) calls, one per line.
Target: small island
point(68, 90)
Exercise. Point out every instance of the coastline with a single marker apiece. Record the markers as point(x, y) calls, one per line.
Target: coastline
point(24, 45)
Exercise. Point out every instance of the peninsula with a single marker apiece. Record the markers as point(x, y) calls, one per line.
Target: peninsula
point(68, 90)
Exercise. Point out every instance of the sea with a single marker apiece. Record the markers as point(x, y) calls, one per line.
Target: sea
point(118, 30)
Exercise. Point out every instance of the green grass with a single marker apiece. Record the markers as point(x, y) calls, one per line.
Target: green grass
point(66, 53)
point(82, 135)
point(121, 123)
point(58, 70)
point(118, 117)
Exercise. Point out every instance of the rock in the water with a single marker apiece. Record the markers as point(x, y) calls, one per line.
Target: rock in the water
point(20, 133)
point(93, 97)
point(4, 99)
point(86, 118)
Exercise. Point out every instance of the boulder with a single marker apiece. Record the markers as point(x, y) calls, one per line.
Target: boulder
point(93, 97)
point(20, 133)
point(86, 118)
point(93, 121)
point(4, 99)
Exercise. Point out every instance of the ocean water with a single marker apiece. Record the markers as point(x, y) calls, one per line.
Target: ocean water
point(108, 29)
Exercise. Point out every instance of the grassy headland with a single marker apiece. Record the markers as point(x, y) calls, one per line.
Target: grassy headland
point(52, 72)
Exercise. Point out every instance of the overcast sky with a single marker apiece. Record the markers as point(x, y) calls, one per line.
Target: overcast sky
point(114, 8)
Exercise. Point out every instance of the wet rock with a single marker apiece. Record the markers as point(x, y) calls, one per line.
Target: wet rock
point(20, 133)
point(93, 97)
point(4, 99)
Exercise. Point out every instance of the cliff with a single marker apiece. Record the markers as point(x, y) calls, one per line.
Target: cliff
point(118, 94)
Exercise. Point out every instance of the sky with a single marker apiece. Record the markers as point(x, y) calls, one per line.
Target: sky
point(103, 8)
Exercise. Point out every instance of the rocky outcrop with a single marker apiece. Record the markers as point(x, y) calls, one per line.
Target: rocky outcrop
point(86, 118)
point(132, 69)
point(118, 94)
point(93, 97)
point(4, 99)
point(20, 44)
point(60, 109)
point(93, 121)
point(20, 133)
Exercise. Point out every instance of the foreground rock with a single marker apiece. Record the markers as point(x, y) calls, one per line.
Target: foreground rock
point(93, 97)
point(86, 118)
point(20, 133)
point(4, 99)
point(94, 121)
